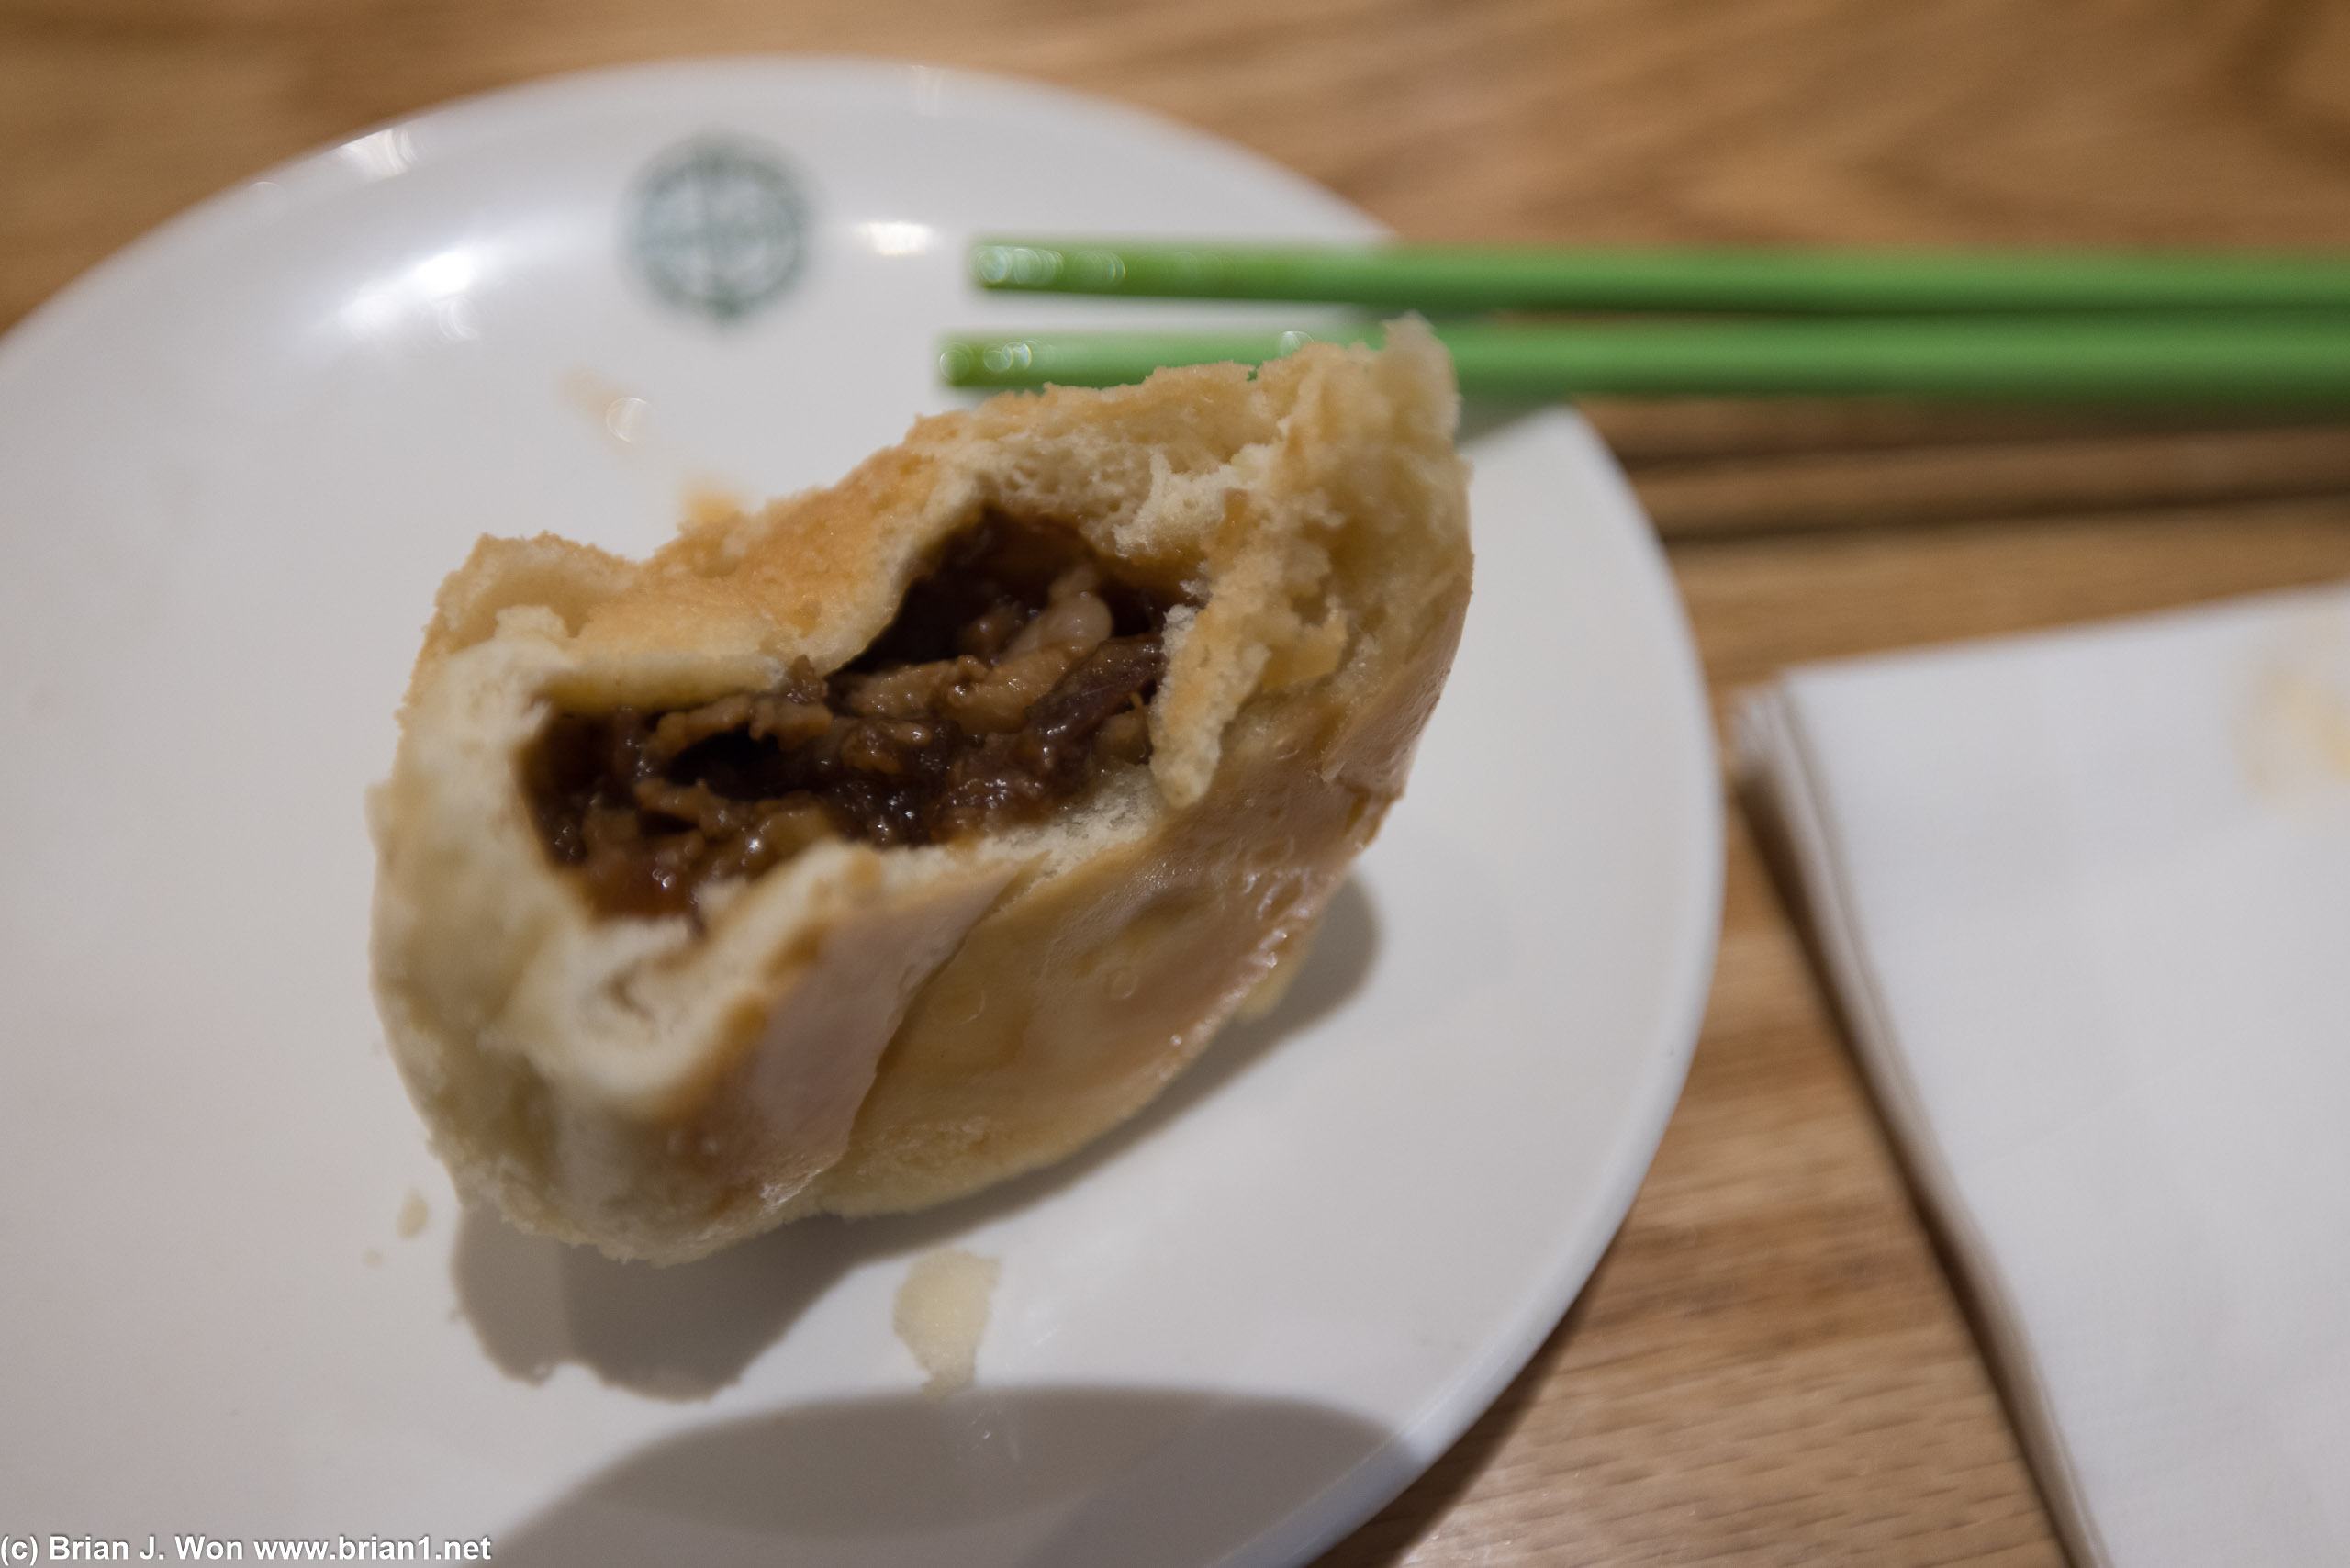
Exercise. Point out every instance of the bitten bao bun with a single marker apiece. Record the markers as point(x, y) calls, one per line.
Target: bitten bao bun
point(901, 837)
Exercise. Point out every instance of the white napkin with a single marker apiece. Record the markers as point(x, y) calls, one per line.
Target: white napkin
point(2086, 900)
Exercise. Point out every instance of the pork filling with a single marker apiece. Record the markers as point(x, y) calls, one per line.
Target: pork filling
point(1014, 676)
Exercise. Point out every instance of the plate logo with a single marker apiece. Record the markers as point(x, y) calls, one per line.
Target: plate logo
point(719, 228)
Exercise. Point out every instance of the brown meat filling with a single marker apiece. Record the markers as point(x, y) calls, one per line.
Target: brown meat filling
point(1014, 675)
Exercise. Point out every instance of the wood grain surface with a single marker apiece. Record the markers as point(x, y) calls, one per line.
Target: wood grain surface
point(1771, 1365)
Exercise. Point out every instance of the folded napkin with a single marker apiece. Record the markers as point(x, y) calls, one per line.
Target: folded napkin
point(2086, 900)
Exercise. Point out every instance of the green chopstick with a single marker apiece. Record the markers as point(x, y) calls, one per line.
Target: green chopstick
point(1808, 282)
point(2301, 359)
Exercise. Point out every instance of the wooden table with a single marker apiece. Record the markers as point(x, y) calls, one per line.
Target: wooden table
point(1771, 1365)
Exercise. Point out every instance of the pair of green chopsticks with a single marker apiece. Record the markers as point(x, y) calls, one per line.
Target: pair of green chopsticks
point(2048, 327)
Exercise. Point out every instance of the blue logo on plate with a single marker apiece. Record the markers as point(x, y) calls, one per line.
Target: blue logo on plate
point(718, 226)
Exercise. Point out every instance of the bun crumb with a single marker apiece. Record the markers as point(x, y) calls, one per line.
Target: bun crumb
point(942, 1315)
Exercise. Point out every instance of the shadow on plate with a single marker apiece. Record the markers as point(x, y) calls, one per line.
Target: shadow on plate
point(1047, 1477)
point(687, 1331)
point(1481, 416)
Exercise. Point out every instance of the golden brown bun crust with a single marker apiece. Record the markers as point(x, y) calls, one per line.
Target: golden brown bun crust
point(659, 1093)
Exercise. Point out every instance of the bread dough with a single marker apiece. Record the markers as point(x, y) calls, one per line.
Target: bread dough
point(864, 1028)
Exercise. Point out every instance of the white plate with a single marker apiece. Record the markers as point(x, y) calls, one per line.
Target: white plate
point(234, 463)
